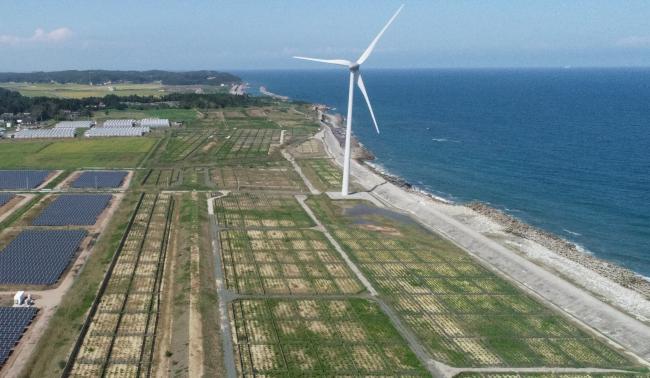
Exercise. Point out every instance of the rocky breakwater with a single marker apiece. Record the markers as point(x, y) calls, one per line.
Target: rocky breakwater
point(562, 247)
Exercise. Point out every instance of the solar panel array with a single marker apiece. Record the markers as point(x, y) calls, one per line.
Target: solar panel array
point(74, 125)
point(117, 131)
point(154, 122)
point(44, 133)
point(5, 197)
point(15, 321)
point(73, 210)
point(99, 179)
point(38, 257)
point(119, 123)
point(22, 179)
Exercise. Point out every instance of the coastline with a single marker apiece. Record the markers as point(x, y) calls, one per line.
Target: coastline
point(509, 223)
point(517, 227)
point(619, 313)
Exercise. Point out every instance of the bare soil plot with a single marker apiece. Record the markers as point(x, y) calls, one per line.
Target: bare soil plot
point(275, 176)
point(284, 262)
point(464, 314)
point(318, 338)
point(253, 210)
point(309, 149)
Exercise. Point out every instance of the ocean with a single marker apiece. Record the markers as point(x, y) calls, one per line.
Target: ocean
point(566, 150)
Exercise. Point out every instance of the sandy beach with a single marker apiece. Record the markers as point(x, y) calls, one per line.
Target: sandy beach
point(606, 298)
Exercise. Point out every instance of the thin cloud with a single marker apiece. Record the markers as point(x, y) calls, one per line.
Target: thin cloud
point(634, 41)
point(40, 36)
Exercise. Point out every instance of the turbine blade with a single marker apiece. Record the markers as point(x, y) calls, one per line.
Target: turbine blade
point(340, 62)
point(362, 87)
point(368, 51)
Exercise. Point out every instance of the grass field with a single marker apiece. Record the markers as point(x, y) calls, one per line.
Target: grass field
point(318, 338)
point(84, 90)
point(75, 153)
point(464, 314)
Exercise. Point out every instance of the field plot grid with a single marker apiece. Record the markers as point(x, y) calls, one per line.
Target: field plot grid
point(278, 176)
point(99, 179)
point(22, 179)
point(322, 173)
point(38, 257)
point(120, 338)
point(73, 209)
point(183, 143)
point(256, 210)
point(284, 262)
point(247, 144)
point(14, 321)
point(165, 177)
point(318, 338)
point(464, 314)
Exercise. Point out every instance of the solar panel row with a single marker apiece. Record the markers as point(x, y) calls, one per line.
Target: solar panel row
point(22, 179)
point(99, 179)
point(73, 210)
point(14, 321)
point(38, 257)
point(5, 197)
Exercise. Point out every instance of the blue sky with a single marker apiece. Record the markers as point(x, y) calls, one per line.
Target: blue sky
point(53, 35)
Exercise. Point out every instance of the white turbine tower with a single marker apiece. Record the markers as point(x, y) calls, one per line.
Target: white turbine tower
point(355, 78)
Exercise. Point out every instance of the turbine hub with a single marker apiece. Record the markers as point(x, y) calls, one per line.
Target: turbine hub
point(354, 67)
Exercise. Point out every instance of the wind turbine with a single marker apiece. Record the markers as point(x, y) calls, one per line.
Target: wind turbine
point(355, 78)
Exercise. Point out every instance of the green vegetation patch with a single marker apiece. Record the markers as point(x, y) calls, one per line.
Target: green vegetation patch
point(318, 338)
point(75, 153)
point(276, 176)
point(464, 314)
point(259, 210)
point(322, 173)
point(287, 261)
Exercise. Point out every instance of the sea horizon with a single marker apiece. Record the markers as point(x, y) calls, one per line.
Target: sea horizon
point(476, 137)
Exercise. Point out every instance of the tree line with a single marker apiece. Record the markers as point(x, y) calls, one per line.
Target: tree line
point(44, 108)
point(205, 77)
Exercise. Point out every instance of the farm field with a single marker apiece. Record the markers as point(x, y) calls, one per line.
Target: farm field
point(76, 153)
point(318, 338)
point(277, 176)
point(119, 339)
point(323, 173)
point(260, 210)
point(230, 265)
point(464, 314)
point(70, 90)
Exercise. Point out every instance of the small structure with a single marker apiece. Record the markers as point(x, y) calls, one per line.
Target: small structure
point(19, 298)
point(154, 122)
point(119, 123)
point(74, 125)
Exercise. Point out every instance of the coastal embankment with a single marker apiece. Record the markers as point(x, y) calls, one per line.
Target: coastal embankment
point(529, 259)
point(266, 92)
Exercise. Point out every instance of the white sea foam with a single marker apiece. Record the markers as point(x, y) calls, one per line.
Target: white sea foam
point(441, 140)
point(571, 232)
point(580, 248)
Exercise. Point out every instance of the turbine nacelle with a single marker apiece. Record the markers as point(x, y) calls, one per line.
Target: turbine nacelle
point(354, 67)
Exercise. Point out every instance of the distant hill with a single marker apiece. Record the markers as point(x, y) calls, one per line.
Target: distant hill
point(138, 77)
